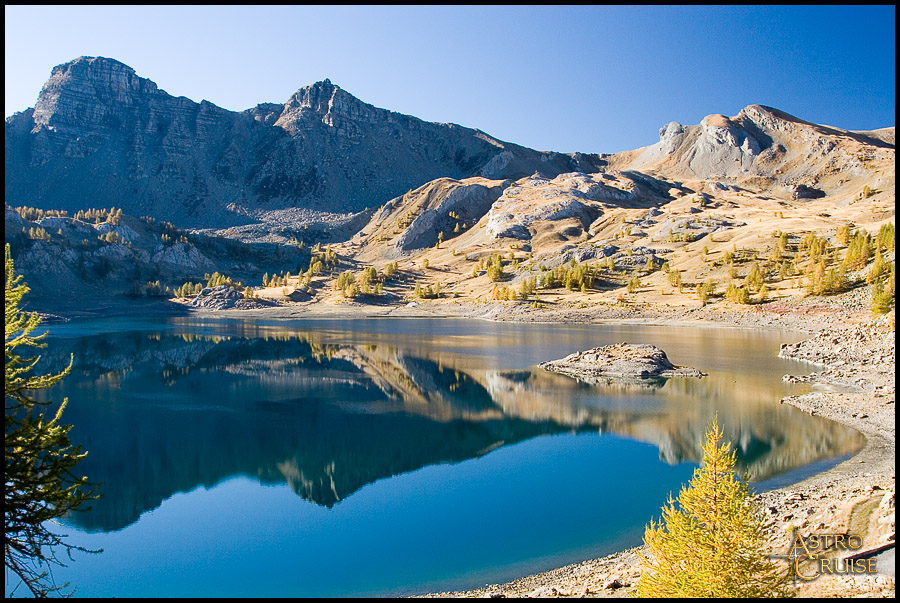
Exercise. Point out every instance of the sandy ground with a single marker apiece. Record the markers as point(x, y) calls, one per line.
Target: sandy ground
point(853, 383)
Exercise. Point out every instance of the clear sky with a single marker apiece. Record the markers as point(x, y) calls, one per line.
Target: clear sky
point(561, 78)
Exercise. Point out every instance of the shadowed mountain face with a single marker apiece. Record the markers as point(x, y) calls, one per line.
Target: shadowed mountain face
point(99, 136)
point(163, 411)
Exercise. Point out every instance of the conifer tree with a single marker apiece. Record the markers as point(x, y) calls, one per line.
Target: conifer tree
point(40, 460)
point(711, 544)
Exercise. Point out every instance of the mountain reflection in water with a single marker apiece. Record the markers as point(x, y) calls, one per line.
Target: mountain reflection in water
point(167, 410)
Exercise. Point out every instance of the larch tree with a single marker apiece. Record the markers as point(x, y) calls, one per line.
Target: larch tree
point(41, 485)
point(710, 542)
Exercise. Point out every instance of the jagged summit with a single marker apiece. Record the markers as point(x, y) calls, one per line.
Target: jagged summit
point(325, 102)
point(94, 81)
point(85, 66)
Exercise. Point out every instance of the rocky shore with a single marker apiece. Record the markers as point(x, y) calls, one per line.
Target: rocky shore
point(854, 385)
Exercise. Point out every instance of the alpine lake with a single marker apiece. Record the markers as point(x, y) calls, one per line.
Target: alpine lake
point(390, 457)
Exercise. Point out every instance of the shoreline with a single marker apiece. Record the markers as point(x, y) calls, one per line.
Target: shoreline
point(847, 349)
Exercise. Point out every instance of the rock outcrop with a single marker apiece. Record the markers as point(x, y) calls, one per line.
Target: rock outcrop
point(100, 136)
point(441, 211)
point(622, 360)
point(224, 297)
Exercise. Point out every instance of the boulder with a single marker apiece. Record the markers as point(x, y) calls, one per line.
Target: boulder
point(802, 191)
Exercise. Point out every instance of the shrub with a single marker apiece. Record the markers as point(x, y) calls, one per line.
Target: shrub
point(885, 238)
point(842, 236)
point(827, 282)
point(813, 245)
point(427, 292)
point(755, 278)
point(346, 284)
point(858, 251)
point(705, 291)
point(883, 293)
point(495, 268)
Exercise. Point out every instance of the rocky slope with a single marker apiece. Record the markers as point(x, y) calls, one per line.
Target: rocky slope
point(100, 135)
point(708, 200)
point(74, 264)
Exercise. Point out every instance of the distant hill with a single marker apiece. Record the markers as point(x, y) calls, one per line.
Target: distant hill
point(101, 136)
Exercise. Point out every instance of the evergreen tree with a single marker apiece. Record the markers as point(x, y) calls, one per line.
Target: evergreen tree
point(40, 460)
point(495, 268)
point(634, 284)
point(711, 544)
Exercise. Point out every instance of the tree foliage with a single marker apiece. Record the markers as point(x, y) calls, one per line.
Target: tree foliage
point(40, 460)
point(711, 543)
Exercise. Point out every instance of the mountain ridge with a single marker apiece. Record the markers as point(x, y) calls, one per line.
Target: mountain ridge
point(100, 135)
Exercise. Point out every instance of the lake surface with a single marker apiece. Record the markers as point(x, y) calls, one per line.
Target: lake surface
point(395, 456)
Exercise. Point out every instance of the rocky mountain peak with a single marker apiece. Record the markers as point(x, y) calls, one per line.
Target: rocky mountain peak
point(315, 97)
point(327, 103)
point(77, 87)
point(760, 146)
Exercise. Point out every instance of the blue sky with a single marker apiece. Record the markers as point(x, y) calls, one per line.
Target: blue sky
point(562, 78)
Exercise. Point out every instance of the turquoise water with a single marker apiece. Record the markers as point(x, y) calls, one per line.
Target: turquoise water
point(387, 457)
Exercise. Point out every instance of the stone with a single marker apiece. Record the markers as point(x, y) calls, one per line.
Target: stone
point(224, 297)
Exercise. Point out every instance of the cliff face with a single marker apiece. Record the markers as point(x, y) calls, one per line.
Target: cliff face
point(100, 136)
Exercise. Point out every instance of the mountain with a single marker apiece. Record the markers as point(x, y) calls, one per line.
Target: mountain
point(442, 199)
point(81, 262)
point(730, 182)
point(101, 136)
point(768, 150)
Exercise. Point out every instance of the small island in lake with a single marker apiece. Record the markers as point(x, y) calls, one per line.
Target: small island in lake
point(626, 360)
